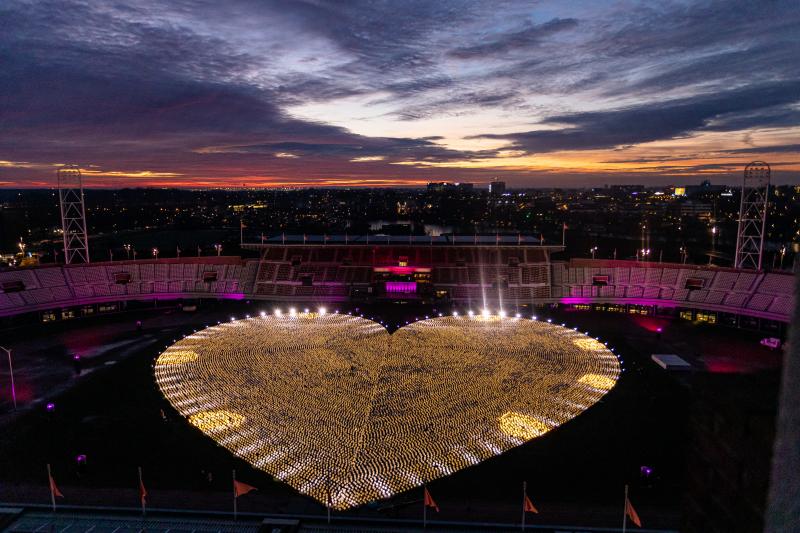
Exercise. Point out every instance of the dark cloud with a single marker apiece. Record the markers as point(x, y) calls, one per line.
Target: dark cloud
point(781, 148)
point(757, 106)
point(219, 88)
point(120, 93)
point(519, 40)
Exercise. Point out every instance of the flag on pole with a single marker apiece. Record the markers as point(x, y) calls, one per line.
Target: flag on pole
point(631, 512)
point(142, 493)
point(54, 488)
point(528, 507)
point(240, 489)
point(429, 500)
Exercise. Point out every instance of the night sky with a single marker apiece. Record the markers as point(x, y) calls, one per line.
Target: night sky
point(376, 93)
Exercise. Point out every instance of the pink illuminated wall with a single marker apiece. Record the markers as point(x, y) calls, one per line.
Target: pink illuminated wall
point(405, 287)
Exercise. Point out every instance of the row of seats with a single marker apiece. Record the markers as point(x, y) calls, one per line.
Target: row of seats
point(765, 293)
point(420, 255)
point(740, 291)
point(54, 286)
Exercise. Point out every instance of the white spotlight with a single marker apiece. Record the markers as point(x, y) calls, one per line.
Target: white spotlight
point(305, 310)
point(278, 312)
point(292, 311)
point(518, 315)
point(502, 314)
point(471, 313)
point(322, 311)
point(455, 313)
point(263, 314)
point(486, 313)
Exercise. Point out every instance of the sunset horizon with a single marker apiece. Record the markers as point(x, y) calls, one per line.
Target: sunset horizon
point(311, 94)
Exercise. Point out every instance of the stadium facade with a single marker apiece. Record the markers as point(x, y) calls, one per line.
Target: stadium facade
point(468, 272)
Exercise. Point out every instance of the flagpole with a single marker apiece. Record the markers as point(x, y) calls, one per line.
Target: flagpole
point(329, 498)
point(625, 510)
point(524, 493)
point(563, 234)
point(50, 484)
point(424, 509)
point(234, 495)
point(141, 496)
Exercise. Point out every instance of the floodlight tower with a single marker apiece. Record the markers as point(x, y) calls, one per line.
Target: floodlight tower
point(752, 215)
point(73, 214)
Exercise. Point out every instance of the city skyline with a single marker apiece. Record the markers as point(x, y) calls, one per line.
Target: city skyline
point(202, 94)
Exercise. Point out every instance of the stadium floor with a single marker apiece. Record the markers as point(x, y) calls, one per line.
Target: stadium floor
point(575, 474)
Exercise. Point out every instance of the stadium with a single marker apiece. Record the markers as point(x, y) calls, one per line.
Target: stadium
point(471, 364)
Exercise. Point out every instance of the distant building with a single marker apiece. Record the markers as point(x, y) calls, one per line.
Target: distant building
point(449, 186)
point(497, 188)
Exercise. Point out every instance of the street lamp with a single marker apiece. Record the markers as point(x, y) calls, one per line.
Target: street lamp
point(218, 248)
point(155, 253)
point(11, 371)
point(127, 250)
point(593, 249)
point(783, 253)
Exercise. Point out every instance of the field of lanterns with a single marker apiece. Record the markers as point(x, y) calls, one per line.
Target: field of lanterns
point(345, 412)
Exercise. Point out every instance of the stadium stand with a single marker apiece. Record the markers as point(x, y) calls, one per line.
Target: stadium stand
point(462, 274)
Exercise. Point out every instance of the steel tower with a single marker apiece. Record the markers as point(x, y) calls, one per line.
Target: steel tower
point(752, 215)
point(73, 215)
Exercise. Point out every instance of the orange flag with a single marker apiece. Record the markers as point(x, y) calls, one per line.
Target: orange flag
point(528, 506)
point(429, 500)
point(631, 512)
point(240, 488)
point(54, 488)
point(142, 492)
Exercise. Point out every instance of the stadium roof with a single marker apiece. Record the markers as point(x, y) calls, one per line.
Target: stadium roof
point(506, 240)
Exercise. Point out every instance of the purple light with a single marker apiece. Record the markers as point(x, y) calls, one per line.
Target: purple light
point(646, 471)
point(76, 357)
point(404, 287)
point(658, 330)
point(81, 459)
point(50, 407)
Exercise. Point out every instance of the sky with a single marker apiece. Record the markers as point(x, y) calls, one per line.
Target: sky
point(377, 93)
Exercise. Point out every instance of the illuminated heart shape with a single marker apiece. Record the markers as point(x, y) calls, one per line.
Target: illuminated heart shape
point(338, 408)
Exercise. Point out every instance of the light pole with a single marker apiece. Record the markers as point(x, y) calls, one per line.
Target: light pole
point(155, 253)
point(218, 248)
point(593, 249)
point(127, 250)
point(783, 253)
point(11, 371)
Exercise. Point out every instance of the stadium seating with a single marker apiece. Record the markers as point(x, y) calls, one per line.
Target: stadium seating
point(468, 275)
